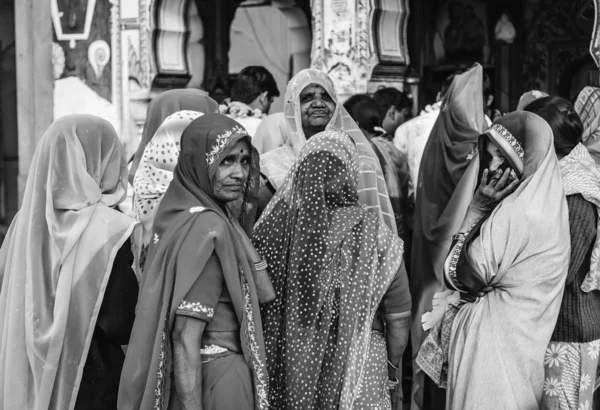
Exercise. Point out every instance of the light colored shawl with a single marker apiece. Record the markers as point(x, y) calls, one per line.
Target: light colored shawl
point(588, 108)
point(276, 164)
point(155, 172)
point(56, 260)
point(272, 133)
point(165, 104)
point(581, 175)
point(529, 97)
point(497, 344)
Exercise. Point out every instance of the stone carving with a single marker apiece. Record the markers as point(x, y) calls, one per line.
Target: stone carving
point(595, 44)
point(58, 60)
point(99, 56)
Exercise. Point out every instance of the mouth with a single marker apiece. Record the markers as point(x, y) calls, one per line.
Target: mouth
point(319, 113)
point(234, 187)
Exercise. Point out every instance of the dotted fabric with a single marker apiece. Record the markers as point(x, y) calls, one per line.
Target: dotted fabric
point(330, 262)
point(155, 172)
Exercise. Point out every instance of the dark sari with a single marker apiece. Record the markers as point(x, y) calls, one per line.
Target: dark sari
point(191, 229)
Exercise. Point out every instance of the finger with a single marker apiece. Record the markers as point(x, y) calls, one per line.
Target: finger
point(503, 179)
point(510, 188)
point(484, 178)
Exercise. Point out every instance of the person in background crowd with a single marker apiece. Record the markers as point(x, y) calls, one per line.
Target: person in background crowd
point(588, 108)
point(395, 108)
point(272, 133)
point(164, 105)
point(197, 340)
point(572, 356)
point(365, 112)
point(252, 94)
point(410, 138)
point(68, 290)
point(154, 175)
point(449, 150)
point(342, 304)
point(508, 260)
point(311, 106)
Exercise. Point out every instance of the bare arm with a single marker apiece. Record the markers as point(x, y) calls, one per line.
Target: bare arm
point(397, 328)
point(187, 361)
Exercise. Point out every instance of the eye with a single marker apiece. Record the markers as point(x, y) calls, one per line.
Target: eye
point(227, 161)
point(246, 161)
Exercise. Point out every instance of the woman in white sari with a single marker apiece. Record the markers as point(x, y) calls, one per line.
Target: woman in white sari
point(512, 251)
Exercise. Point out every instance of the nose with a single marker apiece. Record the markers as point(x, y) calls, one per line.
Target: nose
point(238, 171)
point(318, 102)
point(495, 164)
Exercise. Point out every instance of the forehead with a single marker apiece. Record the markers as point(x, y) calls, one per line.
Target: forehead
point(241, 145)
point(491, 145)
point(313, 89)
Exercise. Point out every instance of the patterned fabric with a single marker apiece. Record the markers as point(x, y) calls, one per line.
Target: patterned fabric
point(570, 375)
point(373, 392)
point(588, 108)
point(155, 172)
point(277, 163)
point(194, 309)
point(580, 175)
point(330, 261)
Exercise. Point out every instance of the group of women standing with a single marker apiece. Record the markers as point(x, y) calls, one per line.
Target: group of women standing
point(308, 307)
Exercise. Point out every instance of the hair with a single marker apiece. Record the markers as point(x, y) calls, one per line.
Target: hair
point(365, 111)
point(566, 125)
point(251, 82)
point(390, 96)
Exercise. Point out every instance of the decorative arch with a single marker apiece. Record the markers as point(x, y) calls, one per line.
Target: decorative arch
point(170, 34)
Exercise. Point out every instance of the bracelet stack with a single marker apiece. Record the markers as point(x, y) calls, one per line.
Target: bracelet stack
point(262, 265)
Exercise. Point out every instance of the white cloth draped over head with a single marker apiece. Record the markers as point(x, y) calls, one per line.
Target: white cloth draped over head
point(155, 172)
point(587, 107)
point(272, 133)
point(497, 344)
point(276, 164)
point(529, 97)
point(581, 175)
point(56, 260)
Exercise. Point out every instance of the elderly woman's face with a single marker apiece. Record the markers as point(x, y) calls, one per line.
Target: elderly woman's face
point(497, 161)
point(316, 109)
point(232, 173)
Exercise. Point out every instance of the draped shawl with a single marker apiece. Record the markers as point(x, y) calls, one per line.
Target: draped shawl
point(330, 261)
point(445, 158)
point(581, 175)
point(156, 169)
point(276, 164)
point(56, 260)
point(588, 108)
point(164, 105)
point(529, 97)
point(188, 214)
point(497, 344)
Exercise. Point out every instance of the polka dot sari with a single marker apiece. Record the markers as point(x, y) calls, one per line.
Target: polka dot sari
point(330, 262)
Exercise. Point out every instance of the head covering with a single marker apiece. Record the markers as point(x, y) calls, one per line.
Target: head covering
point(56, 260)
point(529, 97)
point(156, 169)
point(588, 108)
point(188, 214)
point(447, 154)
point(330, 261)
point(272, 133)
point(527, 276)
point(164, 105)
point(275, 164)
point(581, 175)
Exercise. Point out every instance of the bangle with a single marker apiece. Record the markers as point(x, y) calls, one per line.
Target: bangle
point(392, 384)
point(262, 265)
point(390, 363)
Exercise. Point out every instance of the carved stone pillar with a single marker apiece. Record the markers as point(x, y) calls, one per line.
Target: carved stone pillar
point(595, 43)
point(361, 44)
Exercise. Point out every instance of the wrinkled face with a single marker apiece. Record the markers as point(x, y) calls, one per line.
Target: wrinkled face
point(316, 109)
point(497, 160)
point(232, 173)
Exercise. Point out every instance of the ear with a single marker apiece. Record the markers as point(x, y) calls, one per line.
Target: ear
point(263, 98)
point(392, 112)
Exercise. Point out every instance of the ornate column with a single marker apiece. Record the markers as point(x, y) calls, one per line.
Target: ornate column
point(595, 43)
point(361, 44)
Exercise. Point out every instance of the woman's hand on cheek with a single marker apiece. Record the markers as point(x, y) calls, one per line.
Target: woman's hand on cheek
point(490, 193)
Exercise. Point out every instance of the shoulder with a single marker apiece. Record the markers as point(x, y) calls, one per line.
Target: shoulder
point(201, 221)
